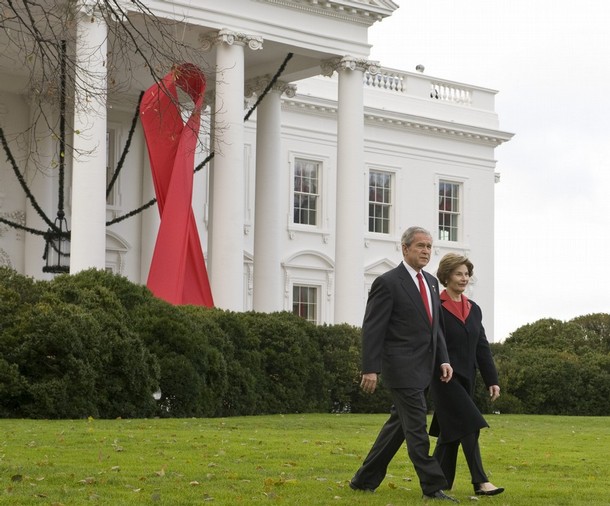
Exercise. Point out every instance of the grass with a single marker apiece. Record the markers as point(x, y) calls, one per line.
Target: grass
point(292, 459)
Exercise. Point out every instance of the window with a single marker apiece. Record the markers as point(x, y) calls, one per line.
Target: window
point(305, 302)
point(448, 210)
point(380, 201)
point(111, 161)
point(306, 187)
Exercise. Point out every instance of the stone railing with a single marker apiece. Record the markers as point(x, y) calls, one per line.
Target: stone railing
point(449, 93)
point(422, 86)
point(386, 80)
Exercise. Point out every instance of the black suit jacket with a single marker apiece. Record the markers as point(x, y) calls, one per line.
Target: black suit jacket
point(398, 340)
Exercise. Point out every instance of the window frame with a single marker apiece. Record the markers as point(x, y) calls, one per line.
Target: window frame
point(390, 205)
point(316, 305)
point(324, 188)
point(316, 195)
point(459, 214)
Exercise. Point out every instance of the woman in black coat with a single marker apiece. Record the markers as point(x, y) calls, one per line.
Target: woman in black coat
point(457, 420)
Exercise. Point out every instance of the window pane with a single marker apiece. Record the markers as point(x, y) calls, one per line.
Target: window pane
point(305, 302)
point(449, 211)
point(380, 201)
point(306, 198)
point(110, 163)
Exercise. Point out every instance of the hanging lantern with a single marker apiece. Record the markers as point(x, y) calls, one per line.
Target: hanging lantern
point(57, 247)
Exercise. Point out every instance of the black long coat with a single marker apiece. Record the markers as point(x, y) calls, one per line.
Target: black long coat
point(455, 412)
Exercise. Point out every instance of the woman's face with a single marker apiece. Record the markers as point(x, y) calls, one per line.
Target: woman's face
point(458, 279)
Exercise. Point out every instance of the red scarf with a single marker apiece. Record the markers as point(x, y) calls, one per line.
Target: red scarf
point(458, 308)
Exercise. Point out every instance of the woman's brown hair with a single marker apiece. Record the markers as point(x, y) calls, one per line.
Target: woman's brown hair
point(449, 263)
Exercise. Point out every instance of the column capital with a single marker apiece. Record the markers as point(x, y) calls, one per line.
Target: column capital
point(226, 36)
point(349, 63)
point(258, 85)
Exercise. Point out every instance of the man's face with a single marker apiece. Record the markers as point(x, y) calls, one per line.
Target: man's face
point(417, 255)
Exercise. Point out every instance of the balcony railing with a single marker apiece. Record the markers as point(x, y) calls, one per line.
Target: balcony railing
point(422, 86)
point(386, 80)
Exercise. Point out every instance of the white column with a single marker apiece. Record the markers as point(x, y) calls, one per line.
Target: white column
point(88, 223)
point(42, 178)
point(150, 220)
point(351, 191)
point(268, 220)
point(226, 245)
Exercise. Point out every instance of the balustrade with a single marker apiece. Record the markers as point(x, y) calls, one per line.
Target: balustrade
point(394, 81)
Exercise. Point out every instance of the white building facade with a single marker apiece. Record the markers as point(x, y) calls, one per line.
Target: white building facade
point(303, 204)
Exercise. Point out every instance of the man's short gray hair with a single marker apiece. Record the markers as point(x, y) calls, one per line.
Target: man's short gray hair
point(407, 236)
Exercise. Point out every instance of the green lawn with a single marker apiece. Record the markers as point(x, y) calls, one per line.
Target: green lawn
point(292, 459)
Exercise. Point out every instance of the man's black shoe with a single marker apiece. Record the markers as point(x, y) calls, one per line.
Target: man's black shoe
point(440, 496)
point(353, 486)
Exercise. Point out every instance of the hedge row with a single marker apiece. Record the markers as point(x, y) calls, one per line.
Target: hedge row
point(95, 344)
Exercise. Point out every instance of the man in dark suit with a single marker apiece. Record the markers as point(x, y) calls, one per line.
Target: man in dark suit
point(402, 340)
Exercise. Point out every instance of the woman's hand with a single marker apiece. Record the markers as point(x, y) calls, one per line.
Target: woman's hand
point(494, 392)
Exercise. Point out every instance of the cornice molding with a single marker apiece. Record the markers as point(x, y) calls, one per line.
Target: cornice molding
point(438, 128)
point(405, 122)
point(319, 107)
point(361, 11)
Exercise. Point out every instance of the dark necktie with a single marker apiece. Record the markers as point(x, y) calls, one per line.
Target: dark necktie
point(424, 294)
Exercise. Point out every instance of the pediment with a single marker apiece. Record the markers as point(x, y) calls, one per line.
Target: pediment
point(379, 267)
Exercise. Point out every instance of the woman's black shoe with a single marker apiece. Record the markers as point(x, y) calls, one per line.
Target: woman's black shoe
point(494, 491)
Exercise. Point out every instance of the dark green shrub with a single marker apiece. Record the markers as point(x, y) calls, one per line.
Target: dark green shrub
point(178, 337)
point(126, 373)
point(12, 387)
point(340, 349)
point(54, 359)
point(71, 344)
point(243, 357)
point(292, 365)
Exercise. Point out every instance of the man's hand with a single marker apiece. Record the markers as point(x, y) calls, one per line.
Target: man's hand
point(446, 373)
point(369, 382)
point(494, 392)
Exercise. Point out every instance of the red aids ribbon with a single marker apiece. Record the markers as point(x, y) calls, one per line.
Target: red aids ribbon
point(177, 271)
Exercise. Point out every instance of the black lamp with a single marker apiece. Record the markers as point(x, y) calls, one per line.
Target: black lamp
point(57, 247)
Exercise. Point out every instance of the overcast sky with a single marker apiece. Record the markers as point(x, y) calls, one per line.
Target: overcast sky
point(550, 62)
